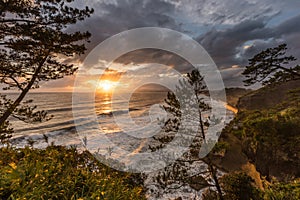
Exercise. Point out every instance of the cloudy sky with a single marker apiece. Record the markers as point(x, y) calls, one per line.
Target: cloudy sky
point(231, 31)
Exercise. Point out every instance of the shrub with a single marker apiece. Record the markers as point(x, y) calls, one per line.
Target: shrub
point(61, 173)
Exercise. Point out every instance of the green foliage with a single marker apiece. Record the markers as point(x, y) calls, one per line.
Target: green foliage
point(271, 137)
point(61, 173)
point(272, 129)
point(239, 186)
point(270, 140)
point(283, 191)
point(271, 66)
point(235, 186)
point(5, 132)
point(220, 147)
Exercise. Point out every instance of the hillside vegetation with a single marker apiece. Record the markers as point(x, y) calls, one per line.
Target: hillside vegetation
point(62, 173)
point(266, 132)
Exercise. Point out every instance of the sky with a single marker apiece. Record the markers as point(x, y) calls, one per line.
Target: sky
point(231, 31)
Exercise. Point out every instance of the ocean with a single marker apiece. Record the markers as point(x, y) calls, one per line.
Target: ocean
point(143, 108)
point(61, 129)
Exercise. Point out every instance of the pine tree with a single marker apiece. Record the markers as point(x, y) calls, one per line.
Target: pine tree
point(271, 66)
point(179, 173)
point(34, 41)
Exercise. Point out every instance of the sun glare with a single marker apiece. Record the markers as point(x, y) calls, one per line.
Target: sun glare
point(106, 85)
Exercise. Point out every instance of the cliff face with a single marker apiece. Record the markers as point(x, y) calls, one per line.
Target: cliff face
point(233, 95)
point(267, 127)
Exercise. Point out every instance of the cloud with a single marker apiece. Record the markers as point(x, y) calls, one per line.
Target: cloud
point(65, 84)
point(289, 26)
point(112, 18)
point(232, 76)
point(111, 75)
point(232, 31)
point(155, 56)
point(229, 24)
point(235, 45)
point(226, 45)
point(226, 12)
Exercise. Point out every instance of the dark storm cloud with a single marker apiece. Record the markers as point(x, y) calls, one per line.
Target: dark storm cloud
point(156, 56)
point(235, 45)
point(110, 19)
point(223, 45)
point(289, 26)
point(287, 32)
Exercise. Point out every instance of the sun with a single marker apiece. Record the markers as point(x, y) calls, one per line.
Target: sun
point(106, 85)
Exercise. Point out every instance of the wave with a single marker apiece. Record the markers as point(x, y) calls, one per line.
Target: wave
point(47, 126)
point(36, 137)
point(118, 112)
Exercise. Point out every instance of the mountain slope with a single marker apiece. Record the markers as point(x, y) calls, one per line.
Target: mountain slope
point(268, 97)
point(266, 132)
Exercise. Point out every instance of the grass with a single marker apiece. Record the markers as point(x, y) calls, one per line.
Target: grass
point(61, 173)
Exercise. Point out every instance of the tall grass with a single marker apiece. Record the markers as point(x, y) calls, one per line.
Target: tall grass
point(61, 173)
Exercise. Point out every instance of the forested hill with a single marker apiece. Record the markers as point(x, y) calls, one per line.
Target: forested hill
point(270, 96)
point(266, 131)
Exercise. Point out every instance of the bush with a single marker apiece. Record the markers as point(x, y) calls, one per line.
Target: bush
point(239, 186)
point(282, 191)
point(61, 173)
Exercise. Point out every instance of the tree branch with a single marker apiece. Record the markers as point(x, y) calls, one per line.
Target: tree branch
point(287, 70)
point(17, 83)
point(17, 20)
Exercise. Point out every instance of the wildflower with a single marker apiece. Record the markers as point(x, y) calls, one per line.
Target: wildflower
point(13, 165)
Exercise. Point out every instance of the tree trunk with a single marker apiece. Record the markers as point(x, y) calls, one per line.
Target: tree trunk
point(17, 102)
point(200, 118)
point(214, 176)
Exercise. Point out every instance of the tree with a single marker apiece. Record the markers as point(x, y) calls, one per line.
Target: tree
point(239, 186)
point(271, 66)
point(236, 186)
point(34, 42)
point(182, 172)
